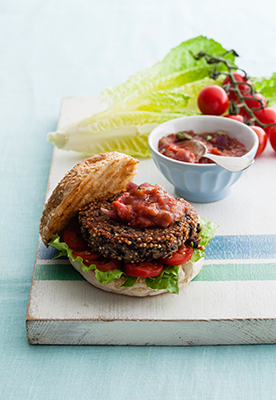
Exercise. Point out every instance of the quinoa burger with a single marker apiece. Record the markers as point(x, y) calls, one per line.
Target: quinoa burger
point(124, 238)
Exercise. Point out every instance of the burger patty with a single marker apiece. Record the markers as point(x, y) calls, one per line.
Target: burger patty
point(115, 239)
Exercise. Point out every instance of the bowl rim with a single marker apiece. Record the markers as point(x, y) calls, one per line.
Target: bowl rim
point(196, 165)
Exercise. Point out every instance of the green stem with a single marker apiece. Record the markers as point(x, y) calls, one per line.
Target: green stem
point(214, 74)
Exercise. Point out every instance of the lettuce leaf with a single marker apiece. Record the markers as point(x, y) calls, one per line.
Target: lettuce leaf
point(125, 132)
point(108, 276)
point(167, 280)
point(267, 87)
point(192, 89)
point(207, 233)
point(177, 68)
point(130, 281)
point(102, 276)
point(159, 101)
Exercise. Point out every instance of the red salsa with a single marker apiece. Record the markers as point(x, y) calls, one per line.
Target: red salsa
point(147, 206)
point(176, 146)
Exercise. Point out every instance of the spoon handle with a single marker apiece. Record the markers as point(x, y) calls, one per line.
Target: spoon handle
point(233, 164)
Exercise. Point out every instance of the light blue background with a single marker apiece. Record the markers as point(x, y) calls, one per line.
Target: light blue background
point(53, 49)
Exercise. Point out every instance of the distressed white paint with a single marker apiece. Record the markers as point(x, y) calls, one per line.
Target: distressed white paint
point(74, 312)
point(197, 301)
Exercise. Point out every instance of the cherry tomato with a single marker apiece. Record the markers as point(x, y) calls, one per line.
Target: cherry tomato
point(272, 137)
point(105, 264)
point(144, 269)
point(238, 76)
point(213, 100)
point(180, 257)
point(254, 103)
point(74, 240)
point(262, 139)
point(87, 256)
point(236, 117)
point(266, 116)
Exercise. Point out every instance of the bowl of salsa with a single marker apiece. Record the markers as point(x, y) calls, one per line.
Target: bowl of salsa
point(177, 146)
point(199, 179)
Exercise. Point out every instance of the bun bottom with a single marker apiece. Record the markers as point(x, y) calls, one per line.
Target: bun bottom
point(187, 272)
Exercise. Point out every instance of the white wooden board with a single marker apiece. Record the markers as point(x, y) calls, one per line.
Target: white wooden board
point(232, 300)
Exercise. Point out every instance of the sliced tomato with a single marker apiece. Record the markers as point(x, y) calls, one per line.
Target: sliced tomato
point(144, 269)
point(87, 256)
point(180, 257)
point(72, 237)
point(105, 264)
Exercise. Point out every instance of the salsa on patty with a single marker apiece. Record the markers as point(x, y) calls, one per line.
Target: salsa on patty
point(113, 237)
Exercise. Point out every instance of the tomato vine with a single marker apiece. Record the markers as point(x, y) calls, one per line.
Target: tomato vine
point(233, 87)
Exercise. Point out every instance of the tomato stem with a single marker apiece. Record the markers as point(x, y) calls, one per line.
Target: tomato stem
point(214, 74)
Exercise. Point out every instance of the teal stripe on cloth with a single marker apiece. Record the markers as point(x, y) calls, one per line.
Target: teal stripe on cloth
point(56, 272)
point(237, 272)
point(212, 272)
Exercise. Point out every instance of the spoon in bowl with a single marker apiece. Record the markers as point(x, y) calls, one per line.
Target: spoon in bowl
point(232, 164)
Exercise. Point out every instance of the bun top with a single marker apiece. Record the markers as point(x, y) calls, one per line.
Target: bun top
point(99, 176)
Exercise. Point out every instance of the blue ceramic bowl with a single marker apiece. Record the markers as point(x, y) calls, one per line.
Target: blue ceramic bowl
point(201, 182)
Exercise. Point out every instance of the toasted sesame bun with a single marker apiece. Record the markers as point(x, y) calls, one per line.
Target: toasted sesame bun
point(186, 273)
point(96, 177)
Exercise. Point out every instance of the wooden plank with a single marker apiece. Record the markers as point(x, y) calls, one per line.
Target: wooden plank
point(152, 333)
point(232, 300)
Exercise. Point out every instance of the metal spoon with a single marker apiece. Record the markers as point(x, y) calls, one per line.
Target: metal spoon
point(233, 164)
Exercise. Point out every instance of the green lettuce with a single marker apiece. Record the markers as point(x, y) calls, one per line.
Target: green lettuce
point(130, 281)
point(167, 280)
point(64, 250)
point(125, 132)
point(192, 89)
point(165, 91)
point(207, 233)
point(267, 87)
point(160, 101)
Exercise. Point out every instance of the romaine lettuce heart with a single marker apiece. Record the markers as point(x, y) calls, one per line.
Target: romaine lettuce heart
point(125, 132)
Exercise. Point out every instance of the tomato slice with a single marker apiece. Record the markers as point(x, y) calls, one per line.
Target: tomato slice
point(74, 240)
point(180, 257)
point(104, 264)
point(87, 256)
point(144, 269)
